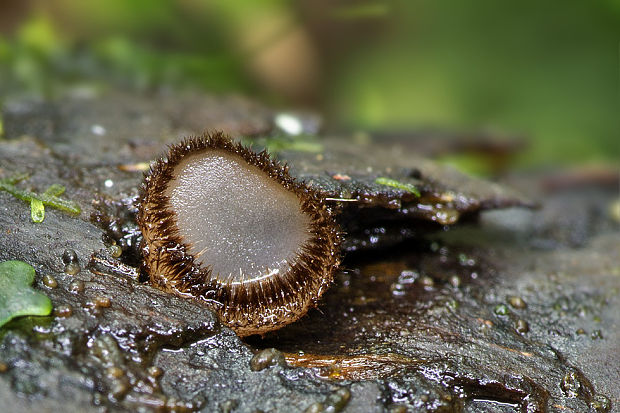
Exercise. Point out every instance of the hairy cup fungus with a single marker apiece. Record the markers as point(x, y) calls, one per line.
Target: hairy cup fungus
point(230, 227)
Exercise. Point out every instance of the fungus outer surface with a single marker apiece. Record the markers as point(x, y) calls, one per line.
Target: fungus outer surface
point(238, 221)
point(231, 228)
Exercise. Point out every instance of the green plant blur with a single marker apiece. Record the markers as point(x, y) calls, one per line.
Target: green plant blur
point(546, 70)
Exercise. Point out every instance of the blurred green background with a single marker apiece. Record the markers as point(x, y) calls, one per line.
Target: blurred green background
point(547, 71)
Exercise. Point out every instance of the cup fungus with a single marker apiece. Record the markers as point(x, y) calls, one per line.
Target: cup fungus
point(232, 228)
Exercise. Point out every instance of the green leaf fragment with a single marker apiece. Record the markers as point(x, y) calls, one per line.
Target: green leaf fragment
point(397, 184)
point(54, 190)
point(37, 210)
point(17, 297)
point(37, 201)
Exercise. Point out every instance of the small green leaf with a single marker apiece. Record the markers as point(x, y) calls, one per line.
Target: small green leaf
point(17, 298)
point(397, 184)
point(37, 210)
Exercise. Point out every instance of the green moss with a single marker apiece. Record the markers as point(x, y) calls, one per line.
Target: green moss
point(17, 298)
point(37, 201)
point(397, 184)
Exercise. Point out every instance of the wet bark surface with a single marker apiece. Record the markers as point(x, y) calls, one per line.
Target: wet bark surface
point(443, 303)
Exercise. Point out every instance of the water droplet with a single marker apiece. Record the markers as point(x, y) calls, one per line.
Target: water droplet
point(50, 281)
point(522, 326)
point(516, 302)
point(501, 309)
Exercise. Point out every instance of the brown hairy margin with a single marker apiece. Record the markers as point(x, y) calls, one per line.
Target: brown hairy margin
point(254, 307)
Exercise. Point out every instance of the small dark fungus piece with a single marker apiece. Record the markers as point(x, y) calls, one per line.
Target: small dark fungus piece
point(232, 228)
